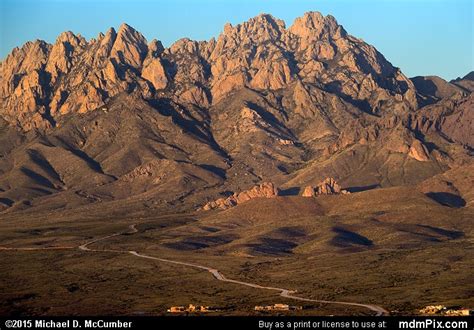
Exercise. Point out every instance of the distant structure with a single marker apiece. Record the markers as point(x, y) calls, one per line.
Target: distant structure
point(176, 309)
point(459, 312)
point(277, 307)
point(433, 309)
point(440, 309)
point(190, 309)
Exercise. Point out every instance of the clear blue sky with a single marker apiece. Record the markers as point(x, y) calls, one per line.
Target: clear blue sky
point(422, 37)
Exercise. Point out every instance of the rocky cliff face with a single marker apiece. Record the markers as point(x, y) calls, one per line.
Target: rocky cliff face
point(42, 82)
point(118, 117)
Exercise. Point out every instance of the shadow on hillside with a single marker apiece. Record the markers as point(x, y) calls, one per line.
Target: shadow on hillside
point(91, 162)
point(273, 246)
point(37, 178)
point(201, 242)
point(7, 201)
point(357, 189)
point(290, 232)
point(447, 199)
point(426, 88)
point(293, 191)
point(336, 87)
point(451, 234)
point(346, 238)
point(220, 172)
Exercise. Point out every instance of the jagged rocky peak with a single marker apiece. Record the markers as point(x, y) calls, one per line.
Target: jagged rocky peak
point(260, 28)
point(22, 60)
point(109, 37)
point(126, 33)
point(155, 48)
point(184, 46)
point(74, 75)
point(62, 54)
point(70, 37)
point(104, 44)
point(313, 25)
point(130, 46)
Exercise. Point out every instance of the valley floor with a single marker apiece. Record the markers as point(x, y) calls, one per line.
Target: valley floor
point(399, 254)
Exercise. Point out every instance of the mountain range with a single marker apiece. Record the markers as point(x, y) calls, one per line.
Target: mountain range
point(118, 119)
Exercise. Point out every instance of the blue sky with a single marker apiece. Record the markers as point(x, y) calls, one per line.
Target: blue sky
point(422, 37)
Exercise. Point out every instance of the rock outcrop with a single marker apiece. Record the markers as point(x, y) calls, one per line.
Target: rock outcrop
point(327, 187)
point(264, 190)
point(308, 191)
point(418, 151)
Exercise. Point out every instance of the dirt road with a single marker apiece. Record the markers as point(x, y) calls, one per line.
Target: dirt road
point(286, 293)
point(219, 276)
point(283, 292)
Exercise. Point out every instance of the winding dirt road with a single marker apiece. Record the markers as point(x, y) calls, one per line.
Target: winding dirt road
point(216, 273)
point(283, 292)
point(219, 276)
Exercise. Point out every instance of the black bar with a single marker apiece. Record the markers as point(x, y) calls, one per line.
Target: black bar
point(244, 323)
